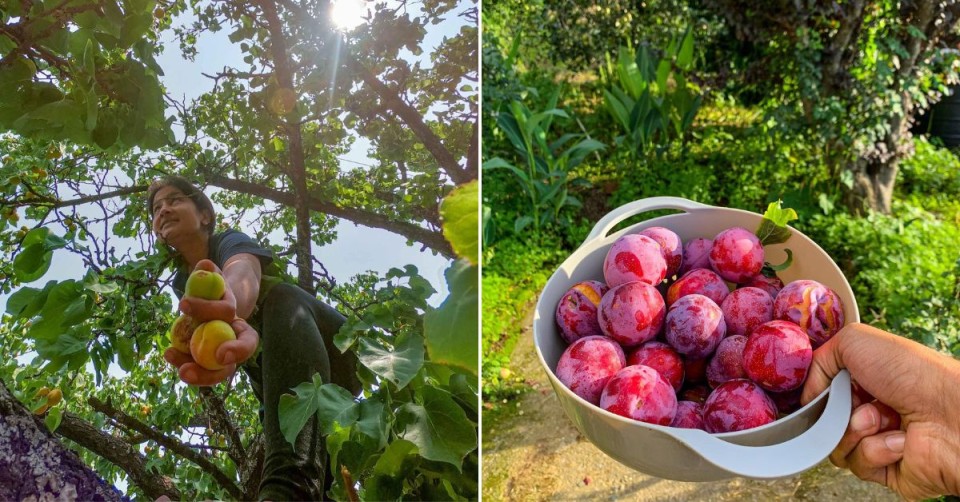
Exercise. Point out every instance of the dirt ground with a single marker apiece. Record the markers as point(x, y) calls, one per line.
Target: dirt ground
point(532, 451)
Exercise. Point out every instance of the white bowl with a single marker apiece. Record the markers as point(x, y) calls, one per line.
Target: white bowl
point(780, 449)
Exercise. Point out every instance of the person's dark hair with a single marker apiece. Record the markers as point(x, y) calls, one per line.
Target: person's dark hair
point(186, 188)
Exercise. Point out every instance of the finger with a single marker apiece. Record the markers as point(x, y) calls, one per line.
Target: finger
point(864, 422)
point(239, 350)
point(869, 461)
point(177, 358)
point(889, 418)
point(208, 310)
point(207, 265)
point(194, 374)
point(825, 365)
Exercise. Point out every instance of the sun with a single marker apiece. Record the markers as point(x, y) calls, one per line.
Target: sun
point(348, 14)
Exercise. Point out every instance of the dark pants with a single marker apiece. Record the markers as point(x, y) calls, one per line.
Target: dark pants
point(296, 333)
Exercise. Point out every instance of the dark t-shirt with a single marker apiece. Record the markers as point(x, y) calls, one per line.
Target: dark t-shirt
point(225, 245)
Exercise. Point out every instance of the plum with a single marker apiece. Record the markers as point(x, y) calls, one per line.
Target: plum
point(737, 405)
point(577, 311)
point(696, 254)
point(689, 415)
point(746, 308)
point(694, 326)
point(634, 257)
point(640, 393)
point(816, 308)
point(736, 255)
point(699, 281)
point(662, 358)
point(670, 246)
point(777, 356)
point(631, 313)
point(727, 362)
point(772, 285)
point(588, 363)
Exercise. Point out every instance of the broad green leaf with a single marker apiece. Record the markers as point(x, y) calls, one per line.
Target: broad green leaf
point(773, 229)
point(335, 441)
point(458, 212)
point(53, 418)
point(465, 390)
point(18, 302)
point(390, 470)
point(79, 310)
point(399, 365)
point(103, 289)
point(31, 263)
point(126, 357)
point(439, 428)
point(451, 329)
point(372, 421)
point(336, 405)
point(294, 411)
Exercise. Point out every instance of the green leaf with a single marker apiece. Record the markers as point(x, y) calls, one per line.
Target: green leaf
point(458, 212)
point(439, 428)
point(336, 405)
point(294, 411)
point(390, 470)
point(685, 56)
point(18, 302)
point(53, 418)
point(372, 421)
point(773, 229)
point(450, 328)
point(399, 365)
point(31, 263)
point(125, 354)
point(105, 288)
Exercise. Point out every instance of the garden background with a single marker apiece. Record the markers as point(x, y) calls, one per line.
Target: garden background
point(823, 106)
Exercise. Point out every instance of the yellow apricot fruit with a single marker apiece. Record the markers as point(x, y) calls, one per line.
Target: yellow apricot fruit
point(180, 333)
point(42, 392)
point(54, 397)
point(206, 285)
point(206, 339)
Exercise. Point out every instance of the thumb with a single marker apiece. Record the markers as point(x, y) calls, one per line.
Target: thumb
point(827, 362)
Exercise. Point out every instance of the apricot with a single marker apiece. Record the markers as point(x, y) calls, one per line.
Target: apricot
point(206, 285)
point(206, 339)
point(180, 332)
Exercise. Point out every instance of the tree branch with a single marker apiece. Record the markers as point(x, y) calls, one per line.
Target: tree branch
point(168, 443)
point(431, 239)
point(414, 120)
point(221, 422)
point(119, 453)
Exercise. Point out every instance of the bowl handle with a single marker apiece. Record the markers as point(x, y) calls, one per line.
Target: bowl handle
point(784, 459)
point(629, 209)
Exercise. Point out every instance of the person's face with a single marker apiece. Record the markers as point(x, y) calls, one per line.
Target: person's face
point(176, 218)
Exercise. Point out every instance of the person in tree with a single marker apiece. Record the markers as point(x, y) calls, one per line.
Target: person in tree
point(284, 334)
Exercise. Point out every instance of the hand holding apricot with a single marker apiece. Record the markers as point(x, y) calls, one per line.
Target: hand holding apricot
point(206, 340)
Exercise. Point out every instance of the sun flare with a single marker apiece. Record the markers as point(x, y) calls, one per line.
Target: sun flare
point(348, 14)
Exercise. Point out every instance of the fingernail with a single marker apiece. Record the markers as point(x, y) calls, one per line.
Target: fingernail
point(185, 307)
point(863, 419)
point(228, 358)
point(189, 375)
point(895, 442)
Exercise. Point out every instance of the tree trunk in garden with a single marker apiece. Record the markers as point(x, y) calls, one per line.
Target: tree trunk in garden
point(34, 465)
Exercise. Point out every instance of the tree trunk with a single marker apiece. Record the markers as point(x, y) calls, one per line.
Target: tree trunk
point(34, 465)
point(873, 183)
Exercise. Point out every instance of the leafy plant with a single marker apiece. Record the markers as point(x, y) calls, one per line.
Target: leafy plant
point(544, 175)
point(650, 98)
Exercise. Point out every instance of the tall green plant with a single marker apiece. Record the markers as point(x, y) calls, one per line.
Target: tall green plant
point(650, 97)
point(544, 174)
